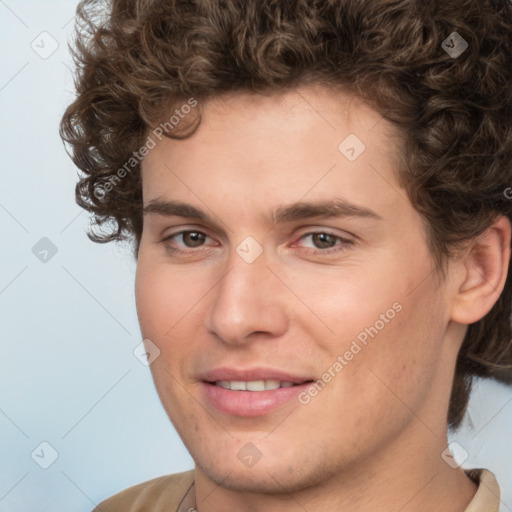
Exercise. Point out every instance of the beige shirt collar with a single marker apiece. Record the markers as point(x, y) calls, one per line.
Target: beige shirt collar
point(487, 497)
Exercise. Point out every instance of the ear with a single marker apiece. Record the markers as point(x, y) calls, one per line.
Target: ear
point(483, 273)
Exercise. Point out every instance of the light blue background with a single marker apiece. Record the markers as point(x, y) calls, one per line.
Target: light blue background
point(68, 327)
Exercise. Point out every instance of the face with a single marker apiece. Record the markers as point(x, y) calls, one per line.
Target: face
point(277, 251)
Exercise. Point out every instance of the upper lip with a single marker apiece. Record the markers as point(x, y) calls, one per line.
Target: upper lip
point(251, 374)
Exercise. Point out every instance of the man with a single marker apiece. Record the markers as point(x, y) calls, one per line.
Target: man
point(316, 192)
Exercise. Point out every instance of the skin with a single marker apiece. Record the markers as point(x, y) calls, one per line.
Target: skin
point(373, 437)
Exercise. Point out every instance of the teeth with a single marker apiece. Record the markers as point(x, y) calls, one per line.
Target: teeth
point(271, 384)
point(253, 385)
point(238, 385)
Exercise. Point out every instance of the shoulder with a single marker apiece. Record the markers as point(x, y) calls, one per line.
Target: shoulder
point(157, 495)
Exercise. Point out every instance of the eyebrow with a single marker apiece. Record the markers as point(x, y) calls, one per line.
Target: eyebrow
point(300, 210)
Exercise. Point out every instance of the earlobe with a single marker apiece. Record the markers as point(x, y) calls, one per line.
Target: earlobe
point(485, 268)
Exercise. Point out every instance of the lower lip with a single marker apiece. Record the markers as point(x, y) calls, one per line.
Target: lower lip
point(251, 403)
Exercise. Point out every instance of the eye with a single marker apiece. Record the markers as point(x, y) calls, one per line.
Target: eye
point(325, 242)
point(190, 239)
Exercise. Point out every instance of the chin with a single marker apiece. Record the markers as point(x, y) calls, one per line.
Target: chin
point(268, 480)
point(269, 475)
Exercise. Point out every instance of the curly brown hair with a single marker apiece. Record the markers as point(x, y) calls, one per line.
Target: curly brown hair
point(138, 59)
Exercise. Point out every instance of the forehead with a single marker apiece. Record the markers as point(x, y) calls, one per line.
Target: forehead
point(279, 147)
point(297, 111)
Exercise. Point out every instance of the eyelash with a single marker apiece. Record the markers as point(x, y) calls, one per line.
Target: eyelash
point(336, 249)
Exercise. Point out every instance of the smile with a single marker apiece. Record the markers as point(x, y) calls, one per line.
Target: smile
point(251, 398)
point(254, 385)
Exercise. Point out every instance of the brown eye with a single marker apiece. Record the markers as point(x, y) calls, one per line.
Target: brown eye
point(323, 240)
point(324, 243)
point(190, 239)
point(193, 238)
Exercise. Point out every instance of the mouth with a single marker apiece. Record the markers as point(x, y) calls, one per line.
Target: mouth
point(256, 385)
point(251, 392)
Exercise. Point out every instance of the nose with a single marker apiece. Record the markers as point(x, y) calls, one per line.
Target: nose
point(249, 302)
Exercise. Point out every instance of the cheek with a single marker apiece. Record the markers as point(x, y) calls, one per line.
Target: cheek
point(169, 308)
point(345, 305)
point(163, 305)
point(389, 373)
point(164, 297)
point(387, 318)
point(152, 302)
